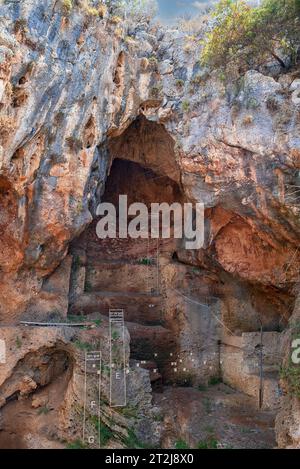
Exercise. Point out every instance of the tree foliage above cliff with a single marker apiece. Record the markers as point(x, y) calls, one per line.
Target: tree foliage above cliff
point(249, 36)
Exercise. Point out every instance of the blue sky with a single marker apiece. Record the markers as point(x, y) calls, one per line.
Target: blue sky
point(170, 9)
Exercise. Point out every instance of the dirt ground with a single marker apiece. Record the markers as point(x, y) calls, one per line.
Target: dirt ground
point(213, 417)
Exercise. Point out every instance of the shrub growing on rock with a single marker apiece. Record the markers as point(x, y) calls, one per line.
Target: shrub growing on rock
point(249, 36)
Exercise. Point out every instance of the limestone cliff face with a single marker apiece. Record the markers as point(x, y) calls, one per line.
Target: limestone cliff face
point(67, 81)
point(77, 91)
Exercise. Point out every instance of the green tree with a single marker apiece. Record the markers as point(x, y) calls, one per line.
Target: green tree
point(245, 36)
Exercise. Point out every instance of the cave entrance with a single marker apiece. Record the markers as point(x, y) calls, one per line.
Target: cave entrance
point(140, 276)
point(148, 144)
point(125, 273)
point(140, 184)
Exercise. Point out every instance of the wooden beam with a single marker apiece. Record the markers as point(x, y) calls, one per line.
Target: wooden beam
point(57, 324)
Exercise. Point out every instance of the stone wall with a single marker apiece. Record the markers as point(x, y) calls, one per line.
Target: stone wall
point(241, 365)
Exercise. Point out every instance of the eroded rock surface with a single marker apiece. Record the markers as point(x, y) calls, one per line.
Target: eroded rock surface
point(80, 96)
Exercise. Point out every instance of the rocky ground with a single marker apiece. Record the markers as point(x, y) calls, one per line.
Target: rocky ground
point(214, 417)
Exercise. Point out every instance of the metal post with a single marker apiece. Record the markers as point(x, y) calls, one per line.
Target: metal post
point(261, 378)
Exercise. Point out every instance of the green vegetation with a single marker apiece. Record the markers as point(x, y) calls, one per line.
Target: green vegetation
point(76, 262)
point(83, 346)
point(156, 91)
point(129, 412)
point(209, 443)
point(115, 335)
point(81, 318)
point(245, 37)
point(97, 322)
point(77, 319)
point(214, 380)
point(132, 441)
point(67, 5)
point(86, 6)
point(88, 286)
point(145, 261)
point(43, 410)
point(105, 432)
point(158, 417)
point(290, 372)
point(252, 103)
point(181, 444)
point(105, 369)
point(246, 430)
point(77, 444)
point(152, 60)
point(179, 83)
point(18, 342)
point(185, 106)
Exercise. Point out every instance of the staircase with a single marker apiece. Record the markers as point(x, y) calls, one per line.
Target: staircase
point(123, 274)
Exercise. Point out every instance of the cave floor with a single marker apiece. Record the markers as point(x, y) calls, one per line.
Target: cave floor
point(215, 416)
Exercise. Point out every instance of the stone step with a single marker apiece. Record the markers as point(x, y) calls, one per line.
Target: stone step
point(143, 308)
point(122, 277)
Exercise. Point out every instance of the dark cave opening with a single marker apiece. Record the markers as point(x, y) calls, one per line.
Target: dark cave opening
point(140, 184)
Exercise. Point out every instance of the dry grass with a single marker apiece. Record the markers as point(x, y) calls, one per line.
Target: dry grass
point(248, 120)
point(144, 63)
point(102, 10)
point(118, 32)
point(116, 19)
